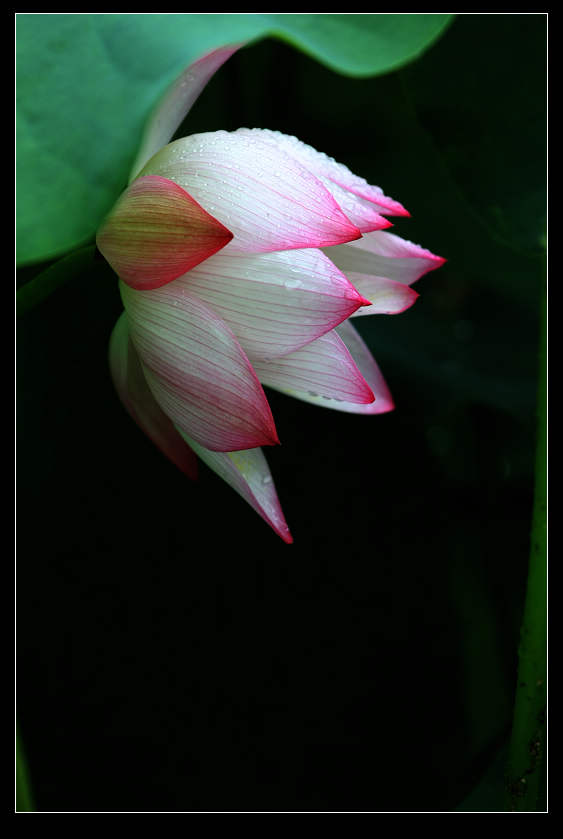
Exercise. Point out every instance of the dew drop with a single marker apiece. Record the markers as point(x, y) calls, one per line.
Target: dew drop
point(294, 283)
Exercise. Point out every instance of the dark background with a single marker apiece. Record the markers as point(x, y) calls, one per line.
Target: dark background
point(173, 653)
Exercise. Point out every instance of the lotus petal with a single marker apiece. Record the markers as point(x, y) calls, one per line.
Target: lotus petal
point(368, 369)
point(326, 167)
point(386, 255)
point(267, 199)
point(277, 302)
point(387, 297)
point(133, 391)
point(248, 474)
point(197, 370)
point(156, 232)
point(324, 368)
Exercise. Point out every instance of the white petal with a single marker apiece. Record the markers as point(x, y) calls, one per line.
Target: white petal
point(387, 297)
point(274, 302)
point(197, 370)
point(385, 255)
point(135, 395)
point(248, 474)
point(327, 168)
point(368, 368)
point(324, 368)
point(268, 200)
point(364, 214)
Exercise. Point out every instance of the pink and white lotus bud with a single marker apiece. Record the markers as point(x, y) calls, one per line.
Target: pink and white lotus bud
point(242, 257)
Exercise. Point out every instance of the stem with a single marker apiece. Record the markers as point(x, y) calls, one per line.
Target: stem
point(24, 802)
point(526, 760)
